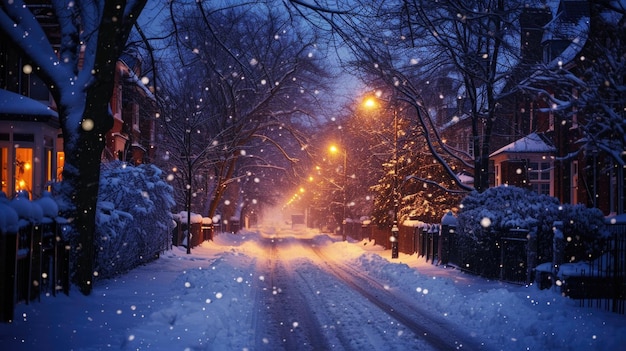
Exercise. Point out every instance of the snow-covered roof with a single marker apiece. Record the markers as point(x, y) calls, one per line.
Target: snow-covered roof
point(454, 120)
point(465, 178)
point(571, 24)
point(15, 104)
point(133, 78)
point(532, 143)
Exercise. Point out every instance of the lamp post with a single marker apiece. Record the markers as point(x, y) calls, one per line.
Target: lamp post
point(188, 199)
point(395, 229)
point(334, 149)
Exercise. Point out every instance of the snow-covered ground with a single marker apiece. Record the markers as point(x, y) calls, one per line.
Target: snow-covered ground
point(218, 297)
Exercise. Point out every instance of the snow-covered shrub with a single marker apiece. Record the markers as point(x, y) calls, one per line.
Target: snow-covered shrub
point(584, 230)
point(115, 250)
point(484, 217)
point(133, 218)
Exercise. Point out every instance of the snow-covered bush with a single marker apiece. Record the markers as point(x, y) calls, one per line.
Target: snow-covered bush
point(133, 218)
point(584, 231)
point(484, 217)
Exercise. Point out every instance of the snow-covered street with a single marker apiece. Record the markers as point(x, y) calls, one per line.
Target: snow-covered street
point(314, 301)
point(278, 288)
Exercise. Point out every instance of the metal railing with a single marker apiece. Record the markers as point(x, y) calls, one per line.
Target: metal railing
point(602, 285)
point(35, 261)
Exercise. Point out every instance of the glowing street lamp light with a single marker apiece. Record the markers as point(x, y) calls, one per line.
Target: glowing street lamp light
point(370, 103)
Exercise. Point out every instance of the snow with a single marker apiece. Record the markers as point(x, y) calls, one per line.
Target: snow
point(210, 300)
point(13, 103)
point(26, 209)
point(9, 218)
point(529, 144)
point(448, 219)
point(48, 205)
point(182, 217)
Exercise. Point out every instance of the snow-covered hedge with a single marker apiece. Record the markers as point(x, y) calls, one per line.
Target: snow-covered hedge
point(484, 217)
point(133, 218)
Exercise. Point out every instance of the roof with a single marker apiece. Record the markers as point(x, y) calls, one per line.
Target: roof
point(15, 104)
point(571, 24)
point(532, 143)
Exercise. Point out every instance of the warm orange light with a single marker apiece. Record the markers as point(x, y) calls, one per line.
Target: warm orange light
point(370, 103)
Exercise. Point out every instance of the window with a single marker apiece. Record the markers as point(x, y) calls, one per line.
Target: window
point(533, 173)
point(498, 175)
point(574, 183)
point(29, 162)
point(48, 163)
point(4, 172)
point(539, 177)
point(60, 164)
point(539, 171)
point(23, 137)
point(23, 172)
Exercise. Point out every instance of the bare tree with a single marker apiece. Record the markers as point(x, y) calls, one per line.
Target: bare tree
point(408, 44)
point(252, 77)
point(78, 70)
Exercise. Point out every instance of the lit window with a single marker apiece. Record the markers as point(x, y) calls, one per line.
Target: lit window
point(60, 164)
point(23, 169)
point(4, 171)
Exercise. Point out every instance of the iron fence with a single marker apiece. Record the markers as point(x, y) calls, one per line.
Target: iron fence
point(513, 259)
point(35, 261)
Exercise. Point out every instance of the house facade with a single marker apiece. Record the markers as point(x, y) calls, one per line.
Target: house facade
point(29, 145)
point(527, 163)
point(31, 140)
point(580, 175)
point(540, 149)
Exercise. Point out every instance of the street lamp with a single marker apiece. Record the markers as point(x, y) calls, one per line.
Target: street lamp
point(394, 228)
point(371, 103)
point(334, 149)
point(188, 198)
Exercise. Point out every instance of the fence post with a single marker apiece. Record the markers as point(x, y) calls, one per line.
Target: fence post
point(62, 256)
point(8, 252)
point(447, 229)
point(8, 260)
point(531, 255)
point(433, 237)
point(617, 228)
point(510, 254)
point(558, 247)
point(425, 241)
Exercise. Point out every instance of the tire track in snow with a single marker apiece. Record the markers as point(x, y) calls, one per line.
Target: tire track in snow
point(343, 319)
point(436, 333)
point(288, 321)
point(350, 321)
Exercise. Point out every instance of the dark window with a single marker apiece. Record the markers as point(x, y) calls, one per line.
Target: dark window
point(23, 137)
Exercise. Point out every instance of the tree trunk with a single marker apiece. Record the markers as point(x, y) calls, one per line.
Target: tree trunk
point(86, 153)
point(84, 182)
point(220, 187)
